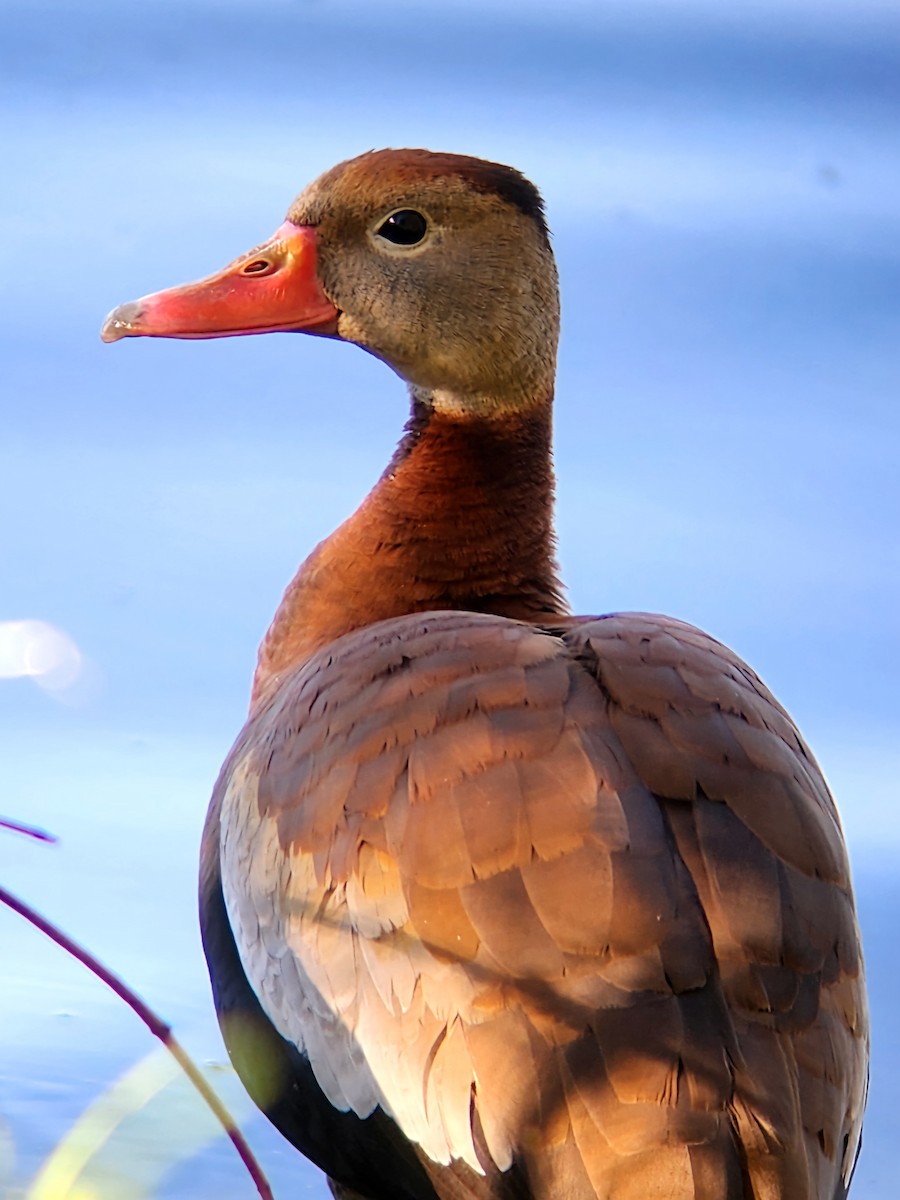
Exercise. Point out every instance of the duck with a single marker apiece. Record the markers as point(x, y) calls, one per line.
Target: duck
point(499, 902)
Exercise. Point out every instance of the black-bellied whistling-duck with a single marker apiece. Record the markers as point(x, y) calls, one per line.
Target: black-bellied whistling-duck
point(497, 901)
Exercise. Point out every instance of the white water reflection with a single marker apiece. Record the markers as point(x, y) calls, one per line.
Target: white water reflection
point(39, 651)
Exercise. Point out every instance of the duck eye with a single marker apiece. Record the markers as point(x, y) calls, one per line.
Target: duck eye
point(405, 227)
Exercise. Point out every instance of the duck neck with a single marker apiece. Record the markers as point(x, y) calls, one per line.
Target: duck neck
point(461, 519)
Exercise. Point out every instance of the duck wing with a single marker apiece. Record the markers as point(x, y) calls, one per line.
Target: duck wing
point(568, 904)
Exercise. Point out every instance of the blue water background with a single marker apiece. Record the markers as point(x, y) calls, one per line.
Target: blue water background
point(723, 184)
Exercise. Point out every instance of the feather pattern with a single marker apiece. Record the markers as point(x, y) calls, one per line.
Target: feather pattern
point(564, 897)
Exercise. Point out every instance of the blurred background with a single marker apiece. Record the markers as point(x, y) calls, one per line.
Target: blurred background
point(722, 182)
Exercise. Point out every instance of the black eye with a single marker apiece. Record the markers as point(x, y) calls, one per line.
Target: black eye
point(403, 228)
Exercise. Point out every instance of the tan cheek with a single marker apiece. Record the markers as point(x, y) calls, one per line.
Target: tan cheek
point(359, 333)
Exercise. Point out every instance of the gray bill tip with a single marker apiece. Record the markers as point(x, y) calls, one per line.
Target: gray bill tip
point(122, 322)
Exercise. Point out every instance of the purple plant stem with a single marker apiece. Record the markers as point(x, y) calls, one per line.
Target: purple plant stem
point(157, 1027)
point(28, 830)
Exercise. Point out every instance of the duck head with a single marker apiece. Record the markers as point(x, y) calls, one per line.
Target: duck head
point(439, 264)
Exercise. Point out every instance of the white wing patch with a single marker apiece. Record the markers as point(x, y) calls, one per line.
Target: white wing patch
point(381, 1020)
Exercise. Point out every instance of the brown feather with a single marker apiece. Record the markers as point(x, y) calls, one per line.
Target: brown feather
point(656, 936)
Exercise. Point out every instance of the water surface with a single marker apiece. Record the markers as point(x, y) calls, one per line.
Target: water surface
point(722, 187)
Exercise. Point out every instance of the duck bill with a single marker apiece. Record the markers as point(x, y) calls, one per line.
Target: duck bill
point(273, 289)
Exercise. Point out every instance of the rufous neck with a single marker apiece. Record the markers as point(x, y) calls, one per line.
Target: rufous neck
point(461, 519)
